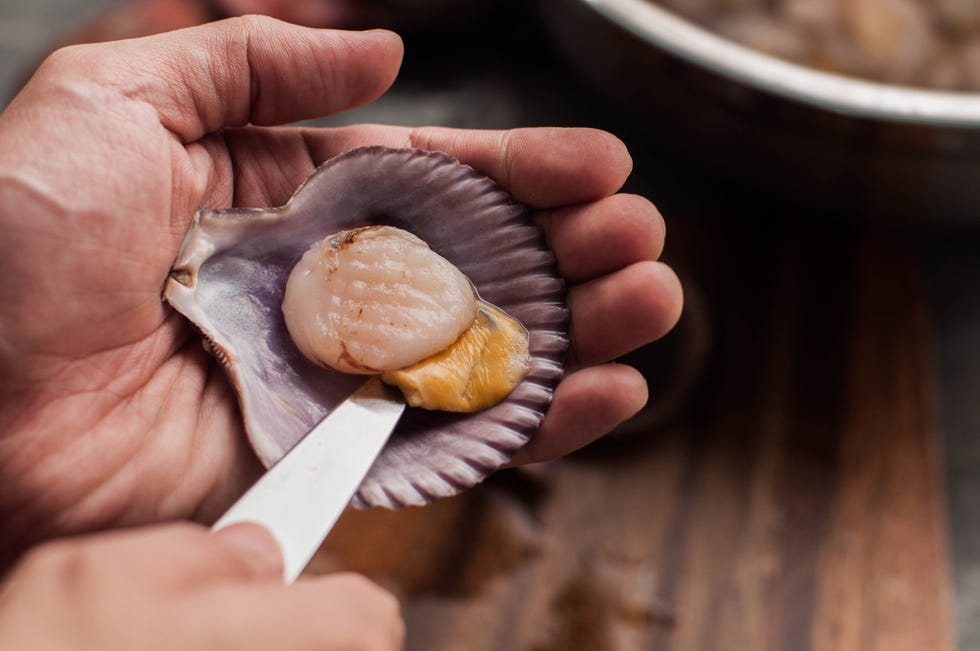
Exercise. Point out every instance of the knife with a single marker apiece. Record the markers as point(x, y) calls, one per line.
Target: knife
point(300, 497)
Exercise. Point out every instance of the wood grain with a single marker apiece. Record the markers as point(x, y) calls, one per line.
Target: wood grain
point(795, 502)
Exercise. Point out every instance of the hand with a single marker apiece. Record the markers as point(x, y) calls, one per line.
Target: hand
point(180, 587)
point(110, 413)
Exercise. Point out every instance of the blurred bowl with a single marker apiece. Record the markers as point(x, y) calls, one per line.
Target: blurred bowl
point(828, 142)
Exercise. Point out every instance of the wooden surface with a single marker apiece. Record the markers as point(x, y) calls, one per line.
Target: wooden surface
point(794, 501)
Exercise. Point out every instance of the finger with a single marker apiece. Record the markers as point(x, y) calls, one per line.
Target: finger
point(174, 555)
point(251, 69)
point(186, 554)
point(268, 165)
point(254, 545)
point(621, 312)
point(587, 404)
point(598, 238)
point(339, 611)
point(541, 167)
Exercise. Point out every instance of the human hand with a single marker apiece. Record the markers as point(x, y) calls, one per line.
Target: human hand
point(181, 587)
point(110, 412)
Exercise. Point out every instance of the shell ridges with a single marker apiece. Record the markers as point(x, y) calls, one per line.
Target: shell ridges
point(239, 258)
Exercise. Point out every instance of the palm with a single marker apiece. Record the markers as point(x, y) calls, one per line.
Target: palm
point(111, 412)
point(152, 427)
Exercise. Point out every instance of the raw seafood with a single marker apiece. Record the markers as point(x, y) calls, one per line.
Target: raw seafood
point(475, 373)
point(375, 299)
point(229, 280)
point(926, 43)
point(378, 300)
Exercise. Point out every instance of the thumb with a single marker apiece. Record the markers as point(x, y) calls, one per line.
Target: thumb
point(176, 555)
point(254, 546)
point(251, 69)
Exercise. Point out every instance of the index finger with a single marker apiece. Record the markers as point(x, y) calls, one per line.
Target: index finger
point(543, 167)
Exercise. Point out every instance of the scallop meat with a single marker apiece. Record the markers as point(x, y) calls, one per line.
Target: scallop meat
point(403, 263)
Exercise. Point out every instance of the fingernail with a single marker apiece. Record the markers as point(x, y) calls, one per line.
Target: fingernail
point(254, 543)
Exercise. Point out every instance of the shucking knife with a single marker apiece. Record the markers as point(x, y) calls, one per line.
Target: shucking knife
point(300, 497)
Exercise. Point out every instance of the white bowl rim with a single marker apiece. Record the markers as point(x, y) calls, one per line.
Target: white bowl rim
point(837, 93)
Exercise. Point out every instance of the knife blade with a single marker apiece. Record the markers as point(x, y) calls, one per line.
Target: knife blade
point(300, 497)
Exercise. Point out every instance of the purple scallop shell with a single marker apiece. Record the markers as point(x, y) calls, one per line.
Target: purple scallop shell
point(230, 276)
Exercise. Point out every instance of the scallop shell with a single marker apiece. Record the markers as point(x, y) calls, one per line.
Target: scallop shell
point(230, 276)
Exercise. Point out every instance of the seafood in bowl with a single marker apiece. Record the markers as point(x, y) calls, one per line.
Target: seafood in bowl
point(230, 280)
point(822, 142)
point(925, 43)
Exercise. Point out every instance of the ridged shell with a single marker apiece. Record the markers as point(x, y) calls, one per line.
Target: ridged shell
point(229, 280)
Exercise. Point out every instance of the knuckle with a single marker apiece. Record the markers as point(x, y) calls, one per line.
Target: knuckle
point(73, 70)
point(250, 23)
point(68, 563)
point(372, 593)
point(356, 583)
point(72, 58)
point(37, 560)
point(63, 57)
point(379, 607)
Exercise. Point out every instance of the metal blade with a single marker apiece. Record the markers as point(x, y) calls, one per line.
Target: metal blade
point(300, 498)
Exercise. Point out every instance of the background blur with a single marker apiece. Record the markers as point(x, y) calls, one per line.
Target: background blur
point(27, 30)
point(786, 478)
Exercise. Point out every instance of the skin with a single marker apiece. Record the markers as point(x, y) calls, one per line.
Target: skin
point(178, 587)
point(111, 414)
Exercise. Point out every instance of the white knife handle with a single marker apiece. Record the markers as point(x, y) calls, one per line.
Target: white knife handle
point(300, 498)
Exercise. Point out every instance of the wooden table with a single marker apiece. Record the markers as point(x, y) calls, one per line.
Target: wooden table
point(793, 501)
